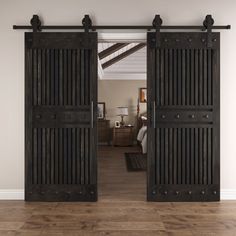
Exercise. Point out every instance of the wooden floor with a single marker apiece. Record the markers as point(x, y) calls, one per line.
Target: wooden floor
point(121, 210)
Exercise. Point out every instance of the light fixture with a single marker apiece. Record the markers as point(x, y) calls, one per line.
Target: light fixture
point(122, 111)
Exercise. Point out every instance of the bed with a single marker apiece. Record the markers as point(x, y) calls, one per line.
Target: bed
point(142, 132)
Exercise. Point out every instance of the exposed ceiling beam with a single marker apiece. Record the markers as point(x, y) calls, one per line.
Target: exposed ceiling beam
point(100, 69)
point(111, 50)
point(123, 55)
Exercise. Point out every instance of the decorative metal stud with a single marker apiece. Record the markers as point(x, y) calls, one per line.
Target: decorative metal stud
point(38, 116)
point(56, 192)
point(206, 116)
point(153, 40)
point(214, 40)
point(42, 193)
point(190, 192)
point(203, 40)
point(154, 192)
point(80, 192)
point(192, 116)
point(165, 192)
point(163, 116)
point(177, 192)
point(202, 192)
point(190, 40)
point(176, 40)
point(166, 40)
point(177, 116)
point(214, 192)
point(92, 192)
point(68, 192)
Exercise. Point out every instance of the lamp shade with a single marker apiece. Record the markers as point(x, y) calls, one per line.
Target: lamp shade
point(122, 111)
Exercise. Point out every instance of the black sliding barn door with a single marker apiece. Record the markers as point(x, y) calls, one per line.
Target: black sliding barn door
point(60, 116)
point(184, 117)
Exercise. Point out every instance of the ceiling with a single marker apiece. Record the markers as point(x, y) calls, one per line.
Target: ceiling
point(132, 66)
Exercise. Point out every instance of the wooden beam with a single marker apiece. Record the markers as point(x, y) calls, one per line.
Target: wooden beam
point(111, 50)
point(100, 69)
point(123, 55)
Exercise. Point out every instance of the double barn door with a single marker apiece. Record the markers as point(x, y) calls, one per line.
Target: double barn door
point(61, 112)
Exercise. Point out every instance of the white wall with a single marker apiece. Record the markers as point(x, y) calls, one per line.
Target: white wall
point(104, 12)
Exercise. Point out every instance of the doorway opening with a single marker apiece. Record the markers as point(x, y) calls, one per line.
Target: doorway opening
point(122, 117)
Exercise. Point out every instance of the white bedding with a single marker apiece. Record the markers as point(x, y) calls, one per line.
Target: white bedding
point(142, 137)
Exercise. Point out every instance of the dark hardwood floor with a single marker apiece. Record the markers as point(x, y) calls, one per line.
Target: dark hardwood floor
point(121, 210)
point(114, 181)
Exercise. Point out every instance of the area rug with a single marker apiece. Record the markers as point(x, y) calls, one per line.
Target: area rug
point(136, 161)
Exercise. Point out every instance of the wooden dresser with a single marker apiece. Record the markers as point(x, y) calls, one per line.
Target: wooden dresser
point(104, 134)
point(123, 136)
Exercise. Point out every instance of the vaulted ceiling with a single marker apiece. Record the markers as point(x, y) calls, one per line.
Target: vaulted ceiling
point(122, 61)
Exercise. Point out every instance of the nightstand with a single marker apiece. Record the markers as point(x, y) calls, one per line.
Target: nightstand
point(104, 131)
point(123, 136)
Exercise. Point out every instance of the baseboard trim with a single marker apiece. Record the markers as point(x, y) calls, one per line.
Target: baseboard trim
point(18, 194)
point(12, 194)
point(228, 194)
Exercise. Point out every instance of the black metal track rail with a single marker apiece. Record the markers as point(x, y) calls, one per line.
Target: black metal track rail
point(119, 27)
point(35, 25)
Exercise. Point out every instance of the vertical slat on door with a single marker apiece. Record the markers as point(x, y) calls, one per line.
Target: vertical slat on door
point(188, 168)
point(52, 155)
point(196, 169)
point(61, 163)
point(175, 156)
point(65, 154)
point(69, 153)
point(39, 154)
point(170, 164)
point(179, 156)
point(56, 156)
point(48, 158)
point(170, 73)
point(166, 154)
point(183, 155)
point(183, 75)
point(201, 78)
point(73, 164)
point(34, 159)
point(179, 77)
point(188, 88)
point(192, 94)
point(175, 80)
point(166, 77)
point(78, 154)
point(197, 91)
point(44, 157)
point(52, 78)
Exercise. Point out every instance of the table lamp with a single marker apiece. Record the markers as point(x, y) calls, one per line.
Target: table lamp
point(122, 111)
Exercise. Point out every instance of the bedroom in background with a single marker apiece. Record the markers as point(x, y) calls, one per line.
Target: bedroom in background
point(122, 99)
